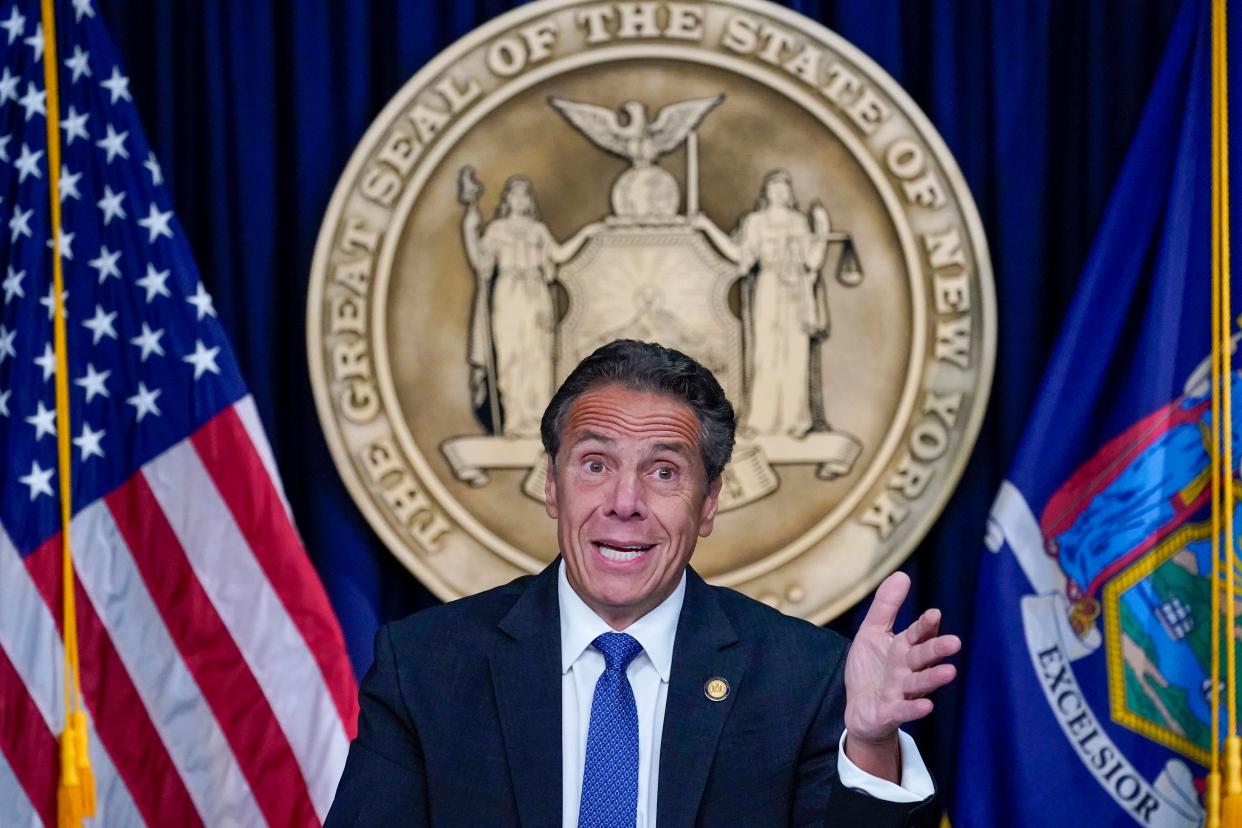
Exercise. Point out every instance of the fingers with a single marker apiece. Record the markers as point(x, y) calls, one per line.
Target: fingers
point(926, 682)
point(933, 651)
point(912, 710)
point(889, 597)
point(924, 627)
point(895, 713)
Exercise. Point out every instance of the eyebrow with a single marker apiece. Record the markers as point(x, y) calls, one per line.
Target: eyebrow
point(589, 436)
point(678, 448)
point(675, 448)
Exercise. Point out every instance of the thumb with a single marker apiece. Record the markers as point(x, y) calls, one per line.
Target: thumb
point(889, 597)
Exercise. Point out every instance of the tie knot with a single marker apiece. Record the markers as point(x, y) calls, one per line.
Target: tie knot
point(619, 649)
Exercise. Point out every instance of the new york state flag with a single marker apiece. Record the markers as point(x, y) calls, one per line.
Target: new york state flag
point(1087, 695)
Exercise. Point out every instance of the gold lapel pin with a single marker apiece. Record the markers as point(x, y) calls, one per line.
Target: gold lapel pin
point(716, 689)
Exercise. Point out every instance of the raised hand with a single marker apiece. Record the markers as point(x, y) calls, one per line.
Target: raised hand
point(888, 677)
point(819, 218)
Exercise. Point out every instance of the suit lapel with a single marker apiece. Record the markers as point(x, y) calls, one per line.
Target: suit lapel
point(526, 676)
point(705, 648)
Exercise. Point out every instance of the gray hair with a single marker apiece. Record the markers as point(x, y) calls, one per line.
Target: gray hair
point(648, 367)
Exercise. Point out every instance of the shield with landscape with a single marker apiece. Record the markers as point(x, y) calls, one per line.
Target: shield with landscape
point(656, 284)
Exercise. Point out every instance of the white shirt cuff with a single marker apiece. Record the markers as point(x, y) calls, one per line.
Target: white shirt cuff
point(916, 783)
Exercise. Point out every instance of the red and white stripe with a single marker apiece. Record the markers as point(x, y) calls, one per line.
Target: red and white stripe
point(17, 806)
point(214, 673)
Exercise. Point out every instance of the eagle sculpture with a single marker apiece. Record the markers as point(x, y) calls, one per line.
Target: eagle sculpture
point(644, 191)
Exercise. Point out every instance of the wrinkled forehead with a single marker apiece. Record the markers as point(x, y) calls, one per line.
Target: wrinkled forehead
point(623, 414)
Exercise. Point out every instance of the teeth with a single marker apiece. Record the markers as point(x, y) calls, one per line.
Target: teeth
point(621, 554)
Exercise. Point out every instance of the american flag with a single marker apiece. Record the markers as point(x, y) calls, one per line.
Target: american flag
point(213, 671)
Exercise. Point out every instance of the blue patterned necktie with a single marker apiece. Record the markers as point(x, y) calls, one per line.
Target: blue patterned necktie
point(610, 775)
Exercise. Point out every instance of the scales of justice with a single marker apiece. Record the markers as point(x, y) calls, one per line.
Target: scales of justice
point(650, 273)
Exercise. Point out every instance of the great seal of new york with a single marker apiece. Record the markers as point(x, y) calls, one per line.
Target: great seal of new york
point(726, 178)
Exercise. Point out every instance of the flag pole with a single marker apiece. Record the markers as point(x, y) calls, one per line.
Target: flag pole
point(1212, 793)
point(75, 793)
point(1231, 804)
point(1220, 342)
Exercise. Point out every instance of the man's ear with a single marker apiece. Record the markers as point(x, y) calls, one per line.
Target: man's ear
point(708, 514)
point(549, 491)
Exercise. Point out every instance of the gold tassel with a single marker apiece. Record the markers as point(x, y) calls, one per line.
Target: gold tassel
point(1212, 800)
point(1231, 807)
point(68, 792)
point(86, 775)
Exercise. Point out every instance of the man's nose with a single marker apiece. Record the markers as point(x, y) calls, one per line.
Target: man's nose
point(626, 500)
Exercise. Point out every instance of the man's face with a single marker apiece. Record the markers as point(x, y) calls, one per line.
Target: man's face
point(629, 496)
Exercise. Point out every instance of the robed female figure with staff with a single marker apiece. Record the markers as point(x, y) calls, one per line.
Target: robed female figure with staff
point(513, 320)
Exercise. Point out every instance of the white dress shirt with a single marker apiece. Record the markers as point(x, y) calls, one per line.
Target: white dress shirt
point(582, 665)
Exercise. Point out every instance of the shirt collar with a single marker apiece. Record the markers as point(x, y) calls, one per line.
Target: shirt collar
point(655, 631)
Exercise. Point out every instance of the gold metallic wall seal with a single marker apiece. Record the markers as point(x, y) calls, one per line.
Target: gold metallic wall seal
point(726, 178)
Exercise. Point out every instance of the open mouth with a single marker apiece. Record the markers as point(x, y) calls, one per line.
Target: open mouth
point(623, 553)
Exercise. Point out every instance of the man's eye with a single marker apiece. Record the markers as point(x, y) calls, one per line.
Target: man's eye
point(665, 473)
point(594, 466)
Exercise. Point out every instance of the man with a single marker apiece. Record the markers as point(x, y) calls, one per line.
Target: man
point(616, 688)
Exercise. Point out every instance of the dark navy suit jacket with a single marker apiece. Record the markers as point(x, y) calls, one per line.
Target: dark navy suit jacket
point(460, 721)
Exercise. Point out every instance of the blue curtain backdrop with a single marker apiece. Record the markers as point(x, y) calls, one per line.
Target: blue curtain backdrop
point(254, 106)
